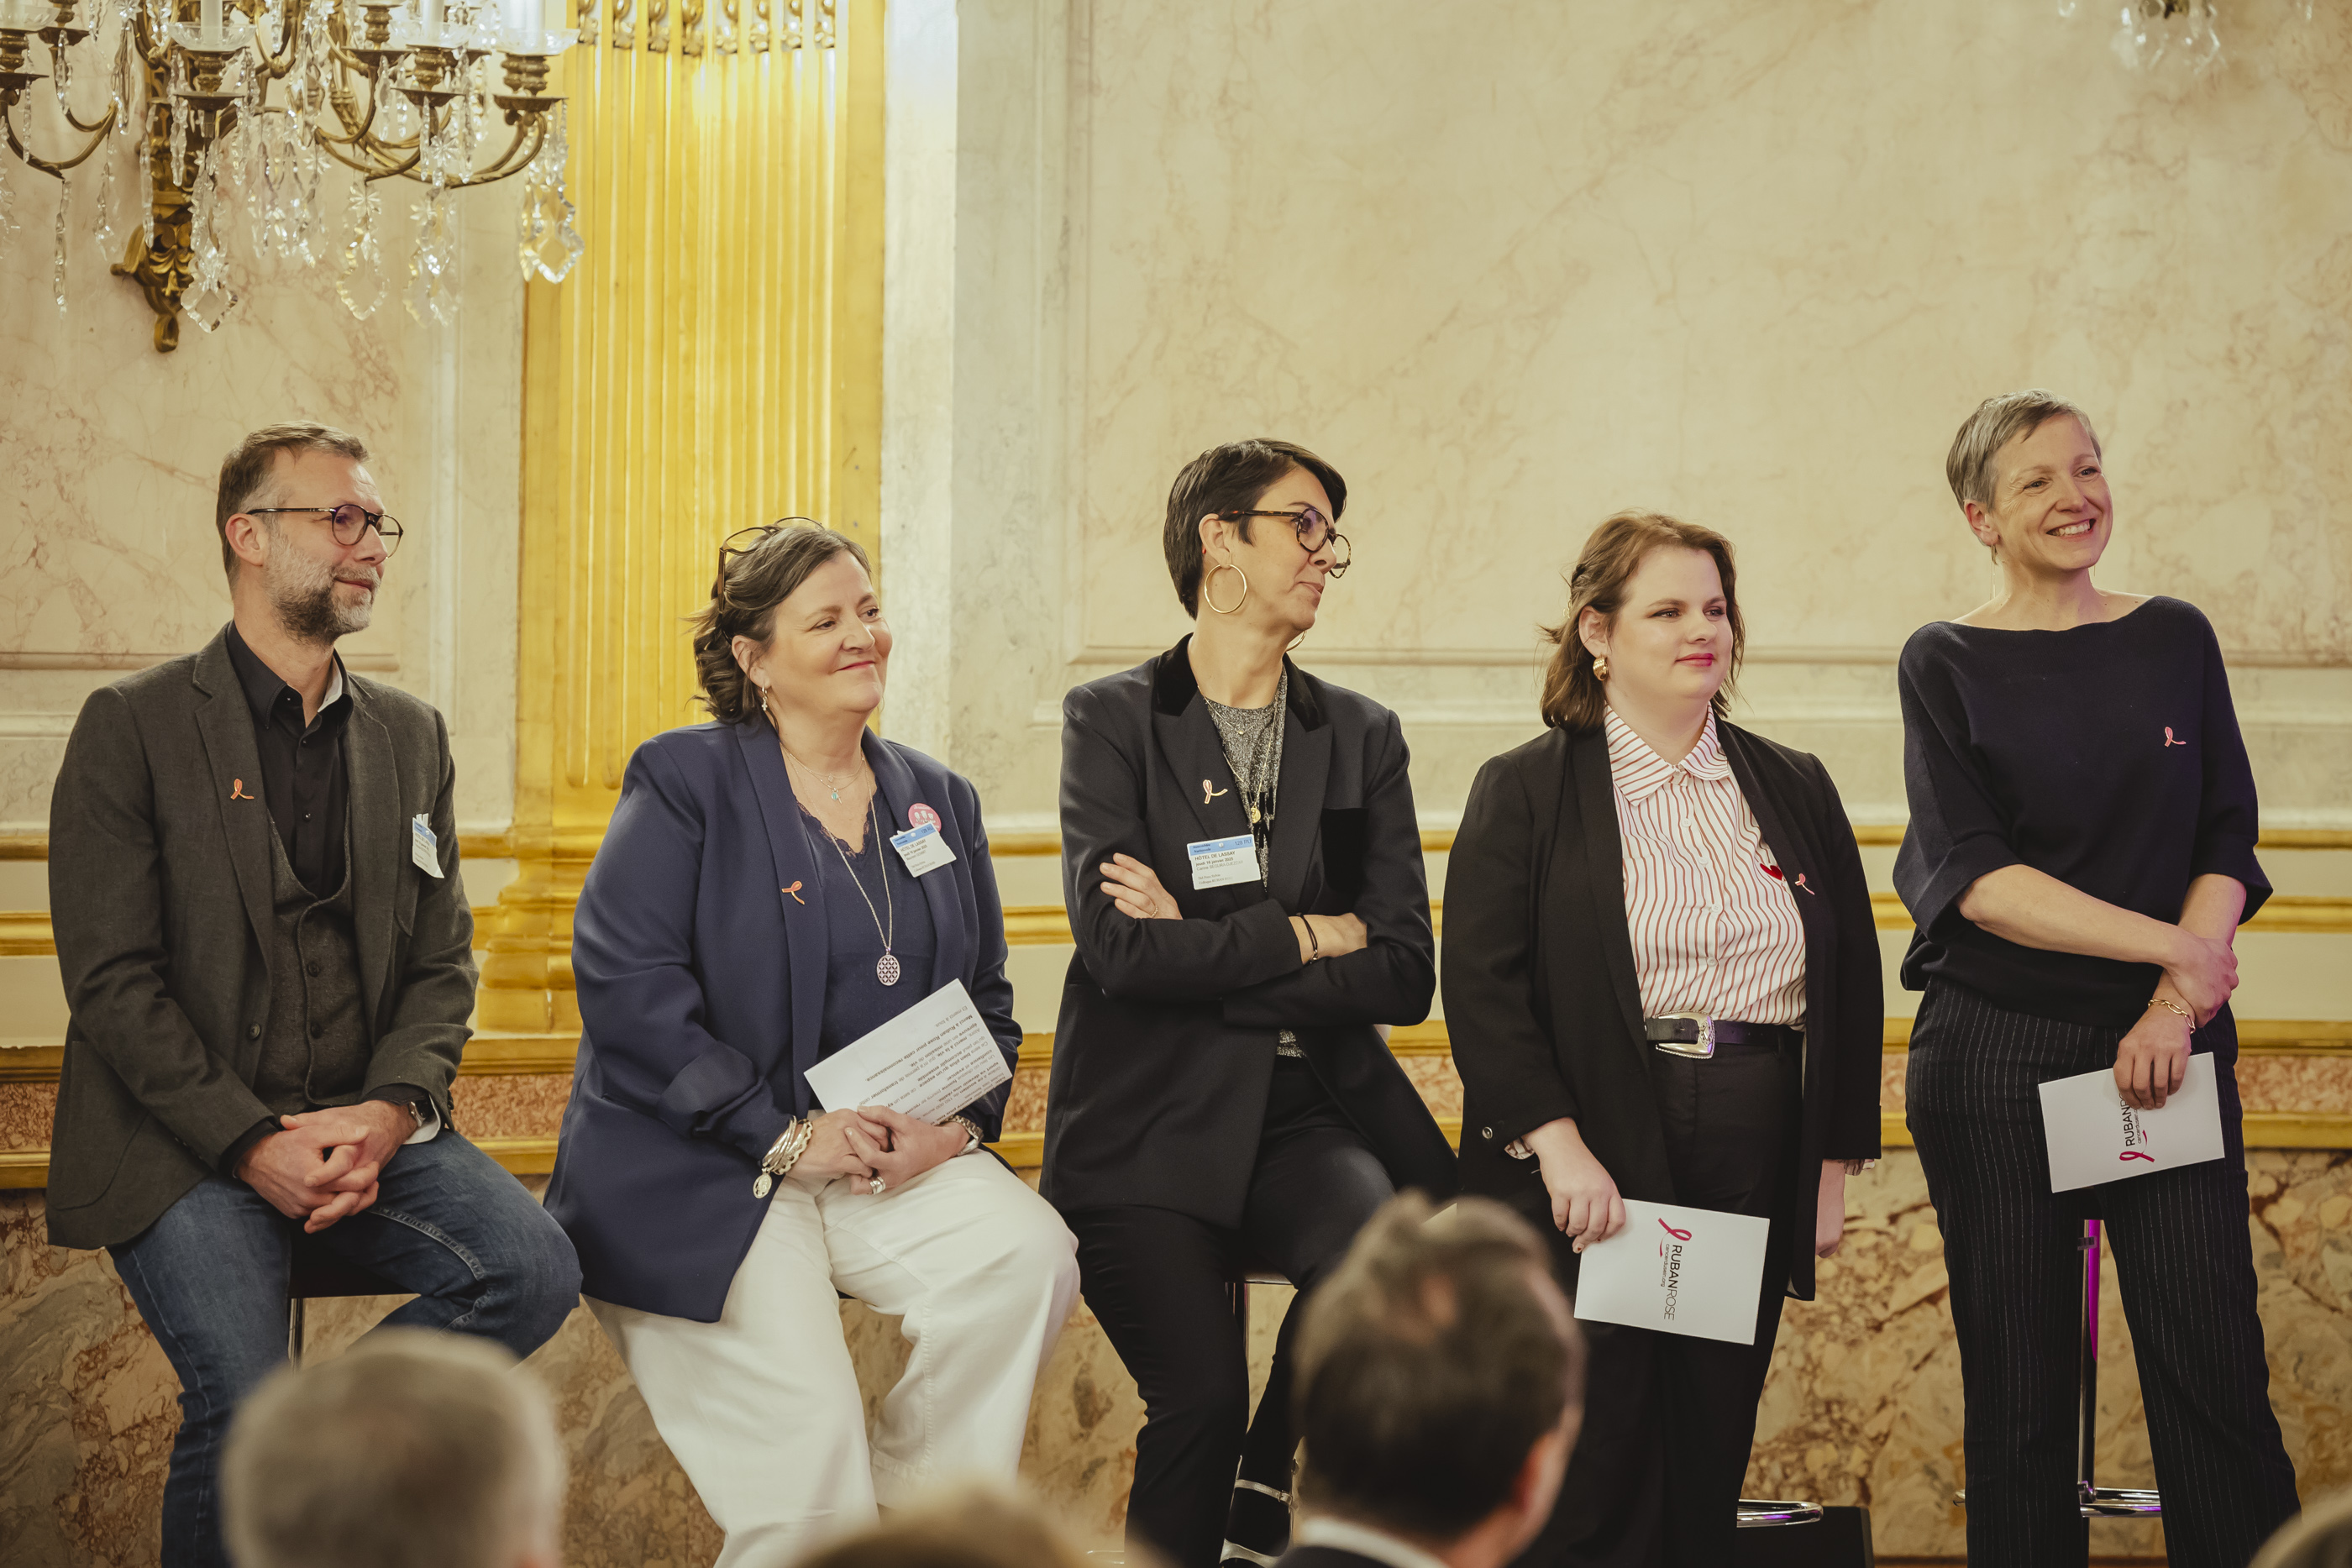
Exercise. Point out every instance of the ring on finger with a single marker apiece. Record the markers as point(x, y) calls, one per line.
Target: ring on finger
point(874, 1185)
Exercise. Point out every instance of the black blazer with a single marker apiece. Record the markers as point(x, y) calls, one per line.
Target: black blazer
point(1541, 998)
point(1164, 1055)
point(160, 894)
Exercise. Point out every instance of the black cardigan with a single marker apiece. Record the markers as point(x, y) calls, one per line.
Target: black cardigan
point(1164, 1052)
point(1541, 998)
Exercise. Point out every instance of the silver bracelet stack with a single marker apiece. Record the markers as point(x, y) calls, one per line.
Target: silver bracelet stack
point(783, 1155)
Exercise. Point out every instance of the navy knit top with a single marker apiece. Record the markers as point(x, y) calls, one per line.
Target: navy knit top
point(2106, 756)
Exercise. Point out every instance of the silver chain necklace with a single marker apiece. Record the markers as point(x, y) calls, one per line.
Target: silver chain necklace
point(885, 967)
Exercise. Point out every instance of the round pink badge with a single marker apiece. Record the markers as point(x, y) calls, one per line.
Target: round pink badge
point(921, 816)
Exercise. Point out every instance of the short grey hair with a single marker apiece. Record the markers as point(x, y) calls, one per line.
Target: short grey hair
point(1996, 422)
point(414, 1450)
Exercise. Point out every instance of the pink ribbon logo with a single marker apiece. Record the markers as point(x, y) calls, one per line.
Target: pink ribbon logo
point(1683, 1234)
point(2136, 1154)
point(2168, 737)
point(1800, 882)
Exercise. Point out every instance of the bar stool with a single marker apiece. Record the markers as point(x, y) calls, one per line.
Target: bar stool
point(317, 1273)
point(2096, 1502)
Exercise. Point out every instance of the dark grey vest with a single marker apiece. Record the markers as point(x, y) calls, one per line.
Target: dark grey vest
point(315, 1047)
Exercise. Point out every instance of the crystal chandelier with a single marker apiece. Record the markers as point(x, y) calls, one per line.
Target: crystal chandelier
point(2172, 38)
point(382, 90)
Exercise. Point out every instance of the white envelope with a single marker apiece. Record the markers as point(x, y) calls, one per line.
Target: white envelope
point(1679, 1270)
point(2095, 1137)
point(929, 1061)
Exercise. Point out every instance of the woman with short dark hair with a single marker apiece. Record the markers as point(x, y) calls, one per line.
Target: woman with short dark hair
point(756, 905)
point(1243, 869)
point(2077, 887)
point(1661, 982)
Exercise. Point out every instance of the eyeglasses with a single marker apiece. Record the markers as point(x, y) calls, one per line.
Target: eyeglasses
point(349, 521)
point(1315, 533)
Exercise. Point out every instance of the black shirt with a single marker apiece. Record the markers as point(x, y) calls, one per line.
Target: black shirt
point(302, 776)
point(2106, 756)
point(307, 791)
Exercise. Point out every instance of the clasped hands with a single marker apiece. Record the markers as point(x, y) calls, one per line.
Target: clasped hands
point(2152, 1059)
point(1135, 889)
point(322, 1166)
point(875, 1141)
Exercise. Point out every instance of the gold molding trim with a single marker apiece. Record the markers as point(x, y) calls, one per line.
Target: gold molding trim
point(1433, 841)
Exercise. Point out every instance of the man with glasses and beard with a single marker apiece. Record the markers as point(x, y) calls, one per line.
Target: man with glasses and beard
point(267, 950)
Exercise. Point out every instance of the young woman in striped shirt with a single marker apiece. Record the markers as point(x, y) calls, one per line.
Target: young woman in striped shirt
point(1661, 982)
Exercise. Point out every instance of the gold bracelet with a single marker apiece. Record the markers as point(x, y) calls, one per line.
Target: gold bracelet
point(783, 1155)
point(2172, 1008)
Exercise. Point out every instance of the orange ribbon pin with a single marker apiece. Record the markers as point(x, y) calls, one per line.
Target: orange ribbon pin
point(237, 791)
point(795, 891)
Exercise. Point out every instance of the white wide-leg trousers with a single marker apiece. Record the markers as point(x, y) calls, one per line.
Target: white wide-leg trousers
point(762, 1410)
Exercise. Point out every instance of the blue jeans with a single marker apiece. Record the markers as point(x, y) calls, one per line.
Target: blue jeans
point(210, 1279)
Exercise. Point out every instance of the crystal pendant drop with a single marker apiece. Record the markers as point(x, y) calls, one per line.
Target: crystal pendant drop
point(361, 283)
point(146, 197)
point(107, 202)
point(208, 299)
point(57, 258)
point(430, 294)
point(550, 245)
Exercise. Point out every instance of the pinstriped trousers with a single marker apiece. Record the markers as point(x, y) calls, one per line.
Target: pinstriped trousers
point(2012, 1251)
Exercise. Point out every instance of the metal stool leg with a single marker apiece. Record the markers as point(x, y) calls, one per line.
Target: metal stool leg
point(2098, 1501)
point(294, 1324)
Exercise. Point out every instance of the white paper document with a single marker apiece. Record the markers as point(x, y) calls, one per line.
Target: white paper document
point(1678, 1270)
point(930, 1061)
point(2095, 1137)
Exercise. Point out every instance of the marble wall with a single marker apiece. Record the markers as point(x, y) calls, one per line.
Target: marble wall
point(111, 454)
point(1517, 266)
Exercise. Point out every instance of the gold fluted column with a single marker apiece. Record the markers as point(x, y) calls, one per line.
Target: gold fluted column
point(714, 361)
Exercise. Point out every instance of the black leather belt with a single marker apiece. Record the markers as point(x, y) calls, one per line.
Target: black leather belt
point(1686, 1035)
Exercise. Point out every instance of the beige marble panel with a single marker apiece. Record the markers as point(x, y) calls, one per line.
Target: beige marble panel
point(110, 453)
point(1514, 267)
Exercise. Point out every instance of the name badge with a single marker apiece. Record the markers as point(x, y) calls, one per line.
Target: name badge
point(423, 847)
point(922, 849)
point(1220, 863)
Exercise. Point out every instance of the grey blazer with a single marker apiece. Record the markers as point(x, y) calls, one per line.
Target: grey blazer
point(160, 895)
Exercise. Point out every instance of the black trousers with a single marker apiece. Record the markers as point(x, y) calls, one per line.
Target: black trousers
point(1156, 1279)
point(2011, 1248)
point(1669, 1419)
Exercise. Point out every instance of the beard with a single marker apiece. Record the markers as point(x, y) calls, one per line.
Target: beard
point(303, 593)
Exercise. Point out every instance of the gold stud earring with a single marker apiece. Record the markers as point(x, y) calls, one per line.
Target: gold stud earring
point(1601, 667)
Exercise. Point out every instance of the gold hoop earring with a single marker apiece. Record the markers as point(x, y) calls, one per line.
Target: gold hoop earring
point(1601, 667)
point(1292, 647)
point(1212, 603)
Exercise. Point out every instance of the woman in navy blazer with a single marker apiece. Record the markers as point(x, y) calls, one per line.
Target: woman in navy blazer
point(746, 917)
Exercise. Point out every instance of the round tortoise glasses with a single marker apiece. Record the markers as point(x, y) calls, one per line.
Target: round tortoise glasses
point(1316, 533)
point(349, 522)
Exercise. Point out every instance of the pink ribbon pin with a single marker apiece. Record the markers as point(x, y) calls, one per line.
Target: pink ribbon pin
point(1800, 882)
point(2168, 737)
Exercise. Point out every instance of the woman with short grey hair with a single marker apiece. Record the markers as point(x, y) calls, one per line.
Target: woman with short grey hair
point(2076, 888)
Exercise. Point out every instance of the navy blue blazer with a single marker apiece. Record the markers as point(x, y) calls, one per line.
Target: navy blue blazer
point(699, 952)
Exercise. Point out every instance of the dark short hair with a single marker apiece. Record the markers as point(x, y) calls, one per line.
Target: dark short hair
point(245, 471)
point(758, 568)
point(1430, 1364)
point(1573, 698)
point(1228, 479)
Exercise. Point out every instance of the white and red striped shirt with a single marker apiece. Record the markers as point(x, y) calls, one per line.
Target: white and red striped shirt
point(1715, 927)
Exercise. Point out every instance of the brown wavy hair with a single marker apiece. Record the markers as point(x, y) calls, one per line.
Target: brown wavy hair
point(1573, 696)
point(758, 568)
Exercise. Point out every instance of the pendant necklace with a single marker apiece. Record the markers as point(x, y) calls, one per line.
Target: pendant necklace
point(831, 785)
point(885, 967)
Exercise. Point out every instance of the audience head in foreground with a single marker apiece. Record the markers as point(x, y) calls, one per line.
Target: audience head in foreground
point(414, 1450)
point(974, 1529)
point(2319, 1537)
point(1440, 1388)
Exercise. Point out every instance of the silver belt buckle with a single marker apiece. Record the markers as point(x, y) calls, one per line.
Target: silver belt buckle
point(1702, 1050)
